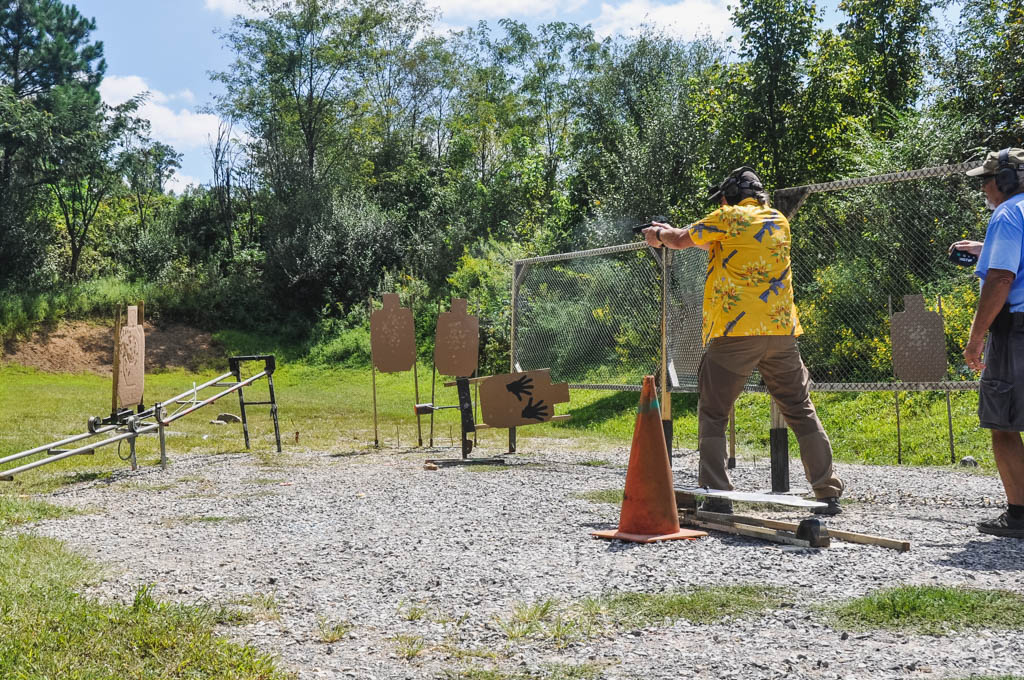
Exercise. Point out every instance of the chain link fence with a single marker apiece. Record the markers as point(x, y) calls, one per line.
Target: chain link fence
point(595, 318)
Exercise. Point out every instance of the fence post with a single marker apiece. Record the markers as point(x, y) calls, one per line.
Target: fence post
point(666, 389)
point(778, 439)
point(517, 268)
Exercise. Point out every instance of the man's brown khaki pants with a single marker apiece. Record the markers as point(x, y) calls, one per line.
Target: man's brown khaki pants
point(727, 364)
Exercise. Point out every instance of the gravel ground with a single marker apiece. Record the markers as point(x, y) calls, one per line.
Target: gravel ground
point(374, 540)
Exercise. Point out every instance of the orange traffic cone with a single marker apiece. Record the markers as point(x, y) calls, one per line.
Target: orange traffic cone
point(649, 511)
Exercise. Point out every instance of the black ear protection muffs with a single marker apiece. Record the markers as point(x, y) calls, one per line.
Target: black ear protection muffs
point(735, 187)
point(1006, 175)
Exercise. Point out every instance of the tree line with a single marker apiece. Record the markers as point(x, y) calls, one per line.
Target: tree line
point(360, 151)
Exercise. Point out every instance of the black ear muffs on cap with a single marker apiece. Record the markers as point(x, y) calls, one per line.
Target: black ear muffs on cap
point(735, 188)
point(1006, 175)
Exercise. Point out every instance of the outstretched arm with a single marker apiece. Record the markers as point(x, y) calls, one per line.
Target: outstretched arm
point(660, 234)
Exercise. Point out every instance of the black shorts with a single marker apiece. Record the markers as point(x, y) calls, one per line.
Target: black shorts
point(1001, 393)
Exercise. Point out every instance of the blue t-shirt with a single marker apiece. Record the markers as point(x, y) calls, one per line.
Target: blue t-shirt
point(1004, 247)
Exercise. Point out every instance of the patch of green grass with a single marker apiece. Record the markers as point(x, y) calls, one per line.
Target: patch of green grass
point(409, 646)
point(47, 630)
point(700, 605)
point(202, 519)
point(552, 671)
point(139, 486)
point(263, 606)
point(526, 619)
point(332, 631)
point(15, 510)
point(413, 612)
point(596, 462)
point(932, 609)
point(613, 496)
point(563, 624)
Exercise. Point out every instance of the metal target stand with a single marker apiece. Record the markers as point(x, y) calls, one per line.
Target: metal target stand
point(127, 425)
point(468, 425)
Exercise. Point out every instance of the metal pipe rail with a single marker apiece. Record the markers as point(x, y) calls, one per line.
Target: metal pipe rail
point(130, 425)
point(57, 444)
point(199, 404)
point(8, 475)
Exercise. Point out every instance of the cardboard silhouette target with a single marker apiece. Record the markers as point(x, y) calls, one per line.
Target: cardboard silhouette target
point(918, 342)
point(131, 361)
point(517, 399)
point(392, 336)
point(457, 341)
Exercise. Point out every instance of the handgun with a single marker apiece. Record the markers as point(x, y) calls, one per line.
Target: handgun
point(640, 227)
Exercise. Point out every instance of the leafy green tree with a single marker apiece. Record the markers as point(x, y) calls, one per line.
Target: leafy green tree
point(980, 70)
point(887, 39)
point(44, 48)
point(776, 38)
point(81, 169)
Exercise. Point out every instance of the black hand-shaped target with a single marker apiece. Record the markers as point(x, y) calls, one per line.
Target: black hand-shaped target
point(538, 410)
point(520, 387)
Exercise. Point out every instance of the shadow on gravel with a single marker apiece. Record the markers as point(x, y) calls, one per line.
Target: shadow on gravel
point(999, 554)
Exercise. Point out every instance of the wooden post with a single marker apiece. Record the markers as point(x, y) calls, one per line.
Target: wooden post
point(778, 439)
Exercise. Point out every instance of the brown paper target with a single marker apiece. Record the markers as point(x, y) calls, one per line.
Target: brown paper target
point(392, 336)
point(517, 399)
point(918, 342)
point(131, 366)
point(457, 341)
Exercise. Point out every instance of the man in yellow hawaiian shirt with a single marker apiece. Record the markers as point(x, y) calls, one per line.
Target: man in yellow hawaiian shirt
point(750, 322)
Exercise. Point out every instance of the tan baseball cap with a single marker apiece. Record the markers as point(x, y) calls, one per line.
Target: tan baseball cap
point(991, 165)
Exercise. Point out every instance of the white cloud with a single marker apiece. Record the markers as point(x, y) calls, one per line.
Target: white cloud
point(686, 19)
point(229, 7)
point(475, 10)
point(182, 128)
point(178, 183)
point(187, 95)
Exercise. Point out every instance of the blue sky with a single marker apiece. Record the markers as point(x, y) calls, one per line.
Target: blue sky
point(168, 47)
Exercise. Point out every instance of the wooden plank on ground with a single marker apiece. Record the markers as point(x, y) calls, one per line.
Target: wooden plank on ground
point(867, 539)
point(772, 535)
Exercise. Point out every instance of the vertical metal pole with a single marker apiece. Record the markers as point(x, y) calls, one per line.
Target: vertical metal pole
point(241, 404)
point(131, 454)
point(516, 268)
point(415, 373)
point(778, 438)
point(732, 437)
point(949, 405)
point(666, 389)
point(899, 431)
point(273, 409)
point(373, 373)
point(433, 374)
point(949, 420)
point(117, 360)
point(896, 396)
point(158, 409)
point(476, 409)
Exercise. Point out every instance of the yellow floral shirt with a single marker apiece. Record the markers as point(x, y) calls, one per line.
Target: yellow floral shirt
point(748, 288)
